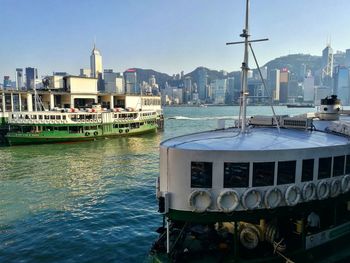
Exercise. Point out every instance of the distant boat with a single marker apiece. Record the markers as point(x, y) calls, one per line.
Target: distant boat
point(301, 105)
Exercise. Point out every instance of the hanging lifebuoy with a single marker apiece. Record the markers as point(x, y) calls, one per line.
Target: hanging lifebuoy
point(95, 133)
point(200, 200)
point(251, 199)
point(228, 201)
point(322, 190)
point(87, 133)
point(335, 188)
point(292, 195)
point(309, 191)
point(120, 131)
point(127, 130)
point(345, 183)
point(273, 197)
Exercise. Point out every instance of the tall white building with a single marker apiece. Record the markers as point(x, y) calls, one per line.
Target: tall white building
point(85, 72)
point(113, 82)
point(95, 63)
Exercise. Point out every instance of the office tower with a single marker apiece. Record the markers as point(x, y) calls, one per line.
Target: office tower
point(202, 83)
point(347, 58)
point(274, 84)
point(327, 62)
point(230, 92)
point(219, 91)
point(95, 63)
point(85, 72)
point(320, 93)
point(113, 82)
point(130, 79)
point(188, 89)
point(341, 84)
point(152, 80)
point(293, 87)
point(19, 78)
point(31, 77)
point(284, 79)
point(7, 82)
point(309, 88)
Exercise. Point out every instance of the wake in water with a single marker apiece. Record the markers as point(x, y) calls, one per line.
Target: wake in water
point(202, 118)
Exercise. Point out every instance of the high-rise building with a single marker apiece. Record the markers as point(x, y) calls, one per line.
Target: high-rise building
point(274, 84)
point(113, 82)
point(85, 72)
point(130, 78)
point(219, 91)
point(230, 92)
point(95, 63)
point(202, 83)
point(327, 62)
point(341, 84)
point(19, 78)
point(7, 82)
point(188, 89)
point(309, 88)
point(31, 77)
point(347, 58)
point(284, 79)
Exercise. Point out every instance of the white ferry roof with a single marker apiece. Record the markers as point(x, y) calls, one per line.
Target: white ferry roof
point(258, 139)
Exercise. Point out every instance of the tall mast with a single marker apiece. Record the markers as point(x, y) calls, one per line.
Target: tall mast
point(245, 69)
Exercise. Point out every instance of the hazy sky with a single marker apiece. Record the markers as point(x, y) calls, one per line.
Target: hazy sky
point(165, 35)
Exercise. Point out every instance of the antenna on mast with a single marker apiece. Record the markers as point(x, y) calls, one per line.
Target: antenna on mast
point(245, 69)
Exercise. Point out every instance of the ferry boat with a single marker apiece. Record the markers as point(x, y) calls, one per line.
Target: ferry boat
point(269, 189)
point(60, 126)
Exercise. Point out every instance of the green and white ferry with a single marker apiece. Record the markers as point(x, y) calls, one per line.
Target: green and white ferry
point(56, 126)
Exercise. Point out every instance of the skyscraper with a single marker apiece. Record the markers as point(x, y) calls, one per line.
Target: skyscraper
point(347, 58)
point(95, 63)
point(31, 77)
point(284, 79)
point(341, 84)
point(274, 84)
point(309, 88)
point(130, 81)
point(19, 78)
point(202, 83)
point(327, 62)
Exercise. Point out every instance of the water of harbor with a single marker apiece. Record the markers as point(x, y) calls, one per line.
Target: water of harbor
point(92, 201)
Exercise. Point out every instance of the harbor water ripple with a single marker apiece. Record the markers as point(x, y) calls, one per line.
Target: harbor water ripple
point(93, 201)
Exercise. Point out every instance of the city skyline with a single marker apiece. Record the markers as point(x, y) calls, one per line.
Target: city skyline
point(59, 35)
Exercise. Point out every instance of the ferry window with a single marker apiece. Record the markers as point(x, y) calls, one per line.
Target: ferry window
point(338, 165)
point(307, 173)
point(263, 174)
point(324, 167)
point(40, 117)
point(63, 117)
point(347, 169)
point(52, 117)
point(58, 117)
point(286, 172)
point(201, 174)
point(236, 175)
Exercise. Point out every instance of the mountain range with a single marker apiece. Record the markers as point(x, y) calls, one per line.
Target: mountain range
point(294, 62)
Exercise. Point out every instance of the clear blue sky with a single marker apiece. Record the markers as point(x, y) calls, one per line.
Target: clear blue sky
point(168, 36)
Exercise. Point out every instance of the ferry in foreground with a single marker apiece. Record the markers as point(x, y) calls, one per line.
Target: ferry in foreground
point(270, 189)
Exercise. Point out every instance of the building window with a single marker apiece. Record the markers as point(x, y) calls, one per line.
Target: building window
point(307, 173)
point(324, 167)
point(201, 174)
point(338, 165)
point(286, 172)
point(263, 174)
point(347, 168)
point(236, 175)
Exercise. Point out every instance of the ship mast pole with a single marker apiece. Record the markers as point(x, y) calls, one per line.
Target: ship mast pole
point(245, 68)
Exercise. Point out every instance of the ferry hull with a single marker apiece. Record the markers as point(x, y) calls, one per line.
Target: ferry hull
point(27, 139)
